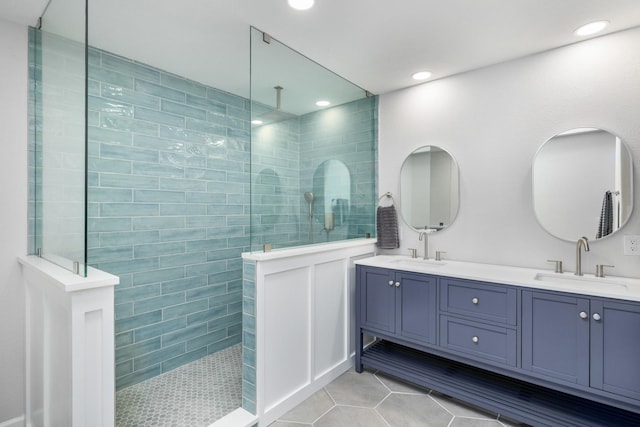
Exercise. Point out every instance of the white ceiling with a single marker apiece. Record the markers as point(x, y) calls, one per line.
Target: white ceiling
point(373, 43)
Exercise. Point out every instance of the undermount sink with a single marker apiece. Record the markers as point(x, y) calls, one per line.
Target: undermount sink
point(586, 281)
point(418, 262)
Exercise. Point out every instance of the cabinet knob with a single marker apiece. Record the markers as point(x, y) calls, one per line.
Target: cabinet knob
point(390, 282)
point(397, 284)
point(475, 339)
point(583, 315)
point(596, 316)
point(475, 300)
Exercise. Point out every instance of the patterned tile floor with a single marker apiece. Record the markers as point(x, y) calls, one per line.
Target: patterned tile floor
point(377, 400)
point(193, 395)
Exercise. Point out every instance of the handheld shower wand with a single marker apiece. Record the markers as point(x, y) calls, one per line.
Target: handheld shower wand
point(308, 196)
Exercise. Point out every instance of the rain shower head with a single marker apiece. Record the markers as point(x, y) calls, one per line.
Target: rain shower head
point(277, 115)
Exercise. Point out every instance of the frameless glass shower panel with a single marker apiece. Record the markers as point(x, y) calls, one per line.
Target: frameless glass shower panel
point(313, 150)
point(59, 132)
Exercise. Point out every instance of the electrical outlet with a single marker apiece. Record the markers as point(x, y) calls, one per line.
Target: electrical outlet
point(632, 245)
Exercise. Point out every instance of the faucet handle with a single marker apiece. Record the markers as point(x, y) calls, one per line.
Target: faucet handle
point(558, 268)
point(600, 269)
point(414, 252)
point(439, 255)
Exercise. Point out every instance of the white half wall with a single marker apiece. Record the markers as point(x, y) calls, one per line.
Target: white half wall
point(492, 121)
point(13, 216)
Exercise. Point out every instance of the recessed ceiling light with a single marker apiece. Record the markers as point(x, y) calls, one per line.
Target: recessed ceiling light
point(421, 75)
point(591, 28)
point(323, 103)
point(301, 4)
point(256, 122)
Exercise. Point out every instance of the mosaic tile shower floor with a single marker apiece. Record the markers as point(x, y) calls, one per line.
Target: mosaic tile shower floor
point(194, 395)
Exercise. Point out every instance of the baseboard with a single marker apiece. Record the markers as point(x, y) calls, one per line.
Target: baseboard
point(15, 422)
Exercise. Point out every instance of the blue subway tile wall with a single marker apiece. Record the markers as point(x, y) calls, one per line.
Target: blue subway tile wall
point(286, 154)
point(167, 155)
point(249, 337)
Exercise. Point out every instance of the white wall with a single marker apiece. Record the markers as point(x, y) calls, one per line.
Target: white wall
point(493, 121)
point(13, 215)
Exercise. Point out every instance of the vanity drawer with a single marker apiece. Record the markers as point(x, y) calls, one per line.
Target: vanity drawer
point(480, 300)
point(494, 343)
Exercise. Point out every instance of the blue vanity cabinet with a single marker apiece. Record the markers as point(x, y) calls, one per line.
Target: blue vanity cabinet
point(555, 336)
point(400, 303)
point(542, 357)
point(615, 347)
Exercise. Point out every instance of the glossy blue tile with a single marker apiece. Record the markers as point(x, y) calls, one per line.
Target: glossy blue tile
point(184, 284)
point(135, 293)
point(135, 350)
point(183, 234)
point(159, 196)
point(160, 170)
point(157, 275)
point(206, 340)
point(158, 90)
point(184, 359)
point(159, 328)
point(205, 268)
point(184, 309)
point(128, 209)
point(129, 237)
point(128, 153)
point(184, 110)
point(181, 336)
point(155, 116)
point(134, 322)
point(158, 249)
point(207, 315)
point(96, 255)
point(182, 84)
point(182, 259)
point(163, 301)
point(157, 223)
point(169, 209)
point(158, 356)
point(108, 224)
point(127, 181)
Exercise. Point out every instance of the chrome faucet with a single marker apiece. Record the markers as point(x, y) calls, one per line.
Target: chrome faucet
point(582, 242)
point(424, 236)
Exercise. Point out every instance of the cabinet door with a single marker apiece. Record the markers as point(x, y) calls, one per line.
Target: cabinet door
point(555, 336)
point(615, 347)
point(416, 307)
point(377, 299)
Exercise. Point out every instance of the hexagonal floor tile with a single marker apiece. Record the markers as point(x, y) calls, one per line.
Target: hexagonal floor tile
point(349, 416)
point(311, 409)
point(413, 410)
point(356, 389)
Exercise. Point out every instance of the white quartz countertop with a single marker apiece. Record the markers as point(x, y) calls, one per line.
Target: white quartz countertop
point(624, 288)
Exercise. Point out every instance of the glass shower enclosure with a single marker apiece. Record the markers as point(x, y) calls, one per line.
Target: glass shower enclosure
point(58, 148)
point(313, 151)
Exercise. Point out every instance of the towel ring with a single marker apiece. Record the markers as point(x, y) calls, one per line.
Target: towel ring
point(386, 196)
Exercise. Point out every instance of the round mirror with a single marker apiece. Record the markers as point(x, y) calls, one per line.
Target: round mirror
point(429, 189)
point(583, 184)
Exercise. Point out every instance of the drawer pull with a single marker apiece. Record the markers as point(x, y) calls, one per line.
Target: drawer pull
point(390, 282)
point(583, 315)
point(397, 284)
point(596, 316)
point(475, 339)
point(475, 301)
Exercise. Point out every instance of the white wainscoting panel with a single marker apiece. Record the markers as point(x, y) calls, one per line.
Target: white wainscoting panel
point(304, 321)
